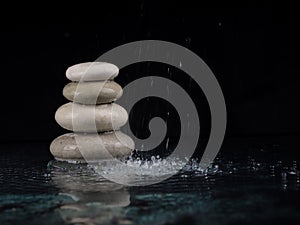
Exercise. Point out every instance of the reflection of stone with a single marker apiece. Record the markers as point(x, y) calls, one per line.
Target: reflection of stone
point(96, 200)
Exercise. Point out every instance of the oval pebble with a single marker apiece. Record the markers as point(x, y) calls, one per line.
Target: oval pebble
point(81, 147)
point(92, 71)
point(93, 92)
point(91, 118)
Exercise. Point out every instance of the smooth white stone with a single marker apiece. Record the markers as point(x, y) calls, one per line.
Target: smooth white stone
point(92, 71)
point(91, 118)
point(96, 92)
point(91, 147)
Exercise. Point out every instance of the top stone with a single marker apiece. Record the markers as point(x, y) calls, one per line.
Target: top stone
point(92, 71)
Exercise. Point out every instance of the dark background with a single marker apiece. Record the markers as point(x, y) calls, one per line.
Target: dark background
point(252, 49)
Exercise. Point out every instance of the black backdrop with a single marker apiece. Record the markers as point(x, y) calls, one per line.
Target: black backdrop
point(253, 51)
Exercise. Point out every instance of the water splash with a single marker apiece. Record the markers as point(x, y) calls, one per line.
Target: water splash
point(138, 170)
point(135, 171)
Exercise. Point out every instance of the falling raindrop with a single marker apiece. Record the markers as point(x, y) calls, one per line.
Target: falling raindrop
point(140, 51)
point(142, 8)
point(188, 118)
point(188, 42)
point(272, 171)
point(284, 180)
point(167, 118)
point(298, 178)
point(294, 165)
point(167, 144)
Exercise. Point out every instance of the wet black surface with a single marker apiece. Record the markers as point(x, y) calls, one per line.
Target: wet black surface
point(248, 184)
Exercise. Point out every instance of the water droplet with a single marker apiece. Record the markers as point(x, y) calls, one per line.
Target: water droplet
point(70, 147)
point(188, 42)
point(140, 51)
point(167, 143)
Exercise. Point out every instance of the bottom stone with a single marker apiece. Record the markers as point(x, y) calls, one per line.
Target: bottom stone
point(82, 147)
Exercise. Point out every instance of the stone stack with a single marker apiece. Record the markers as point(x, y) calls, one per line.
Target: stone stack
point(92, 116)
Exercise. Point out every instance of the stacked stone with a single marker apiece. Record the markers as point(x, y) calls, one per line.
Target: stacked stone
point(92, 92)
